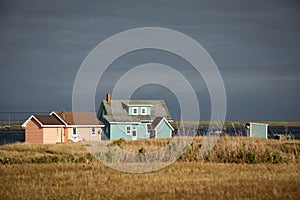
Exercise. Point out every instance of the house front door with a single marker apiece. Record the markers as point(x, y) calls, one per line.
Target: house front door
point(134, 134)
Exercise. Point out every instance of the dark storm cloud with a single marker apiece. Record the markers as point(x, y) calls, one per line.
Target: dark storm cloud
point(256, 46)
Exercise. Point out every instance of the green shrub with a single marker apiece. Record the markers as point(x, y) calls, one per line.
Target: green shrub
point(5, 160)
point(54, 159)
point(120, 142)
point(80, 160)
point(241, 156)
point(251, 157)
point(276, 158)
point(267, 157)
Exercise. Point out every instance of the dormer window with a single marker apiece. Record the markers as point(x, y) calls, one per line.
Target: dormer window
point(139, 109)
point(143, 111)
point(134, 110)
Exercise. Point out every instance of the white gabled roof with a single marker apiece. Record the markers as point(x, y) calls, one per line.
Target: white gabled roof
point(158, 120)
point(66, 119)
point(44, 121)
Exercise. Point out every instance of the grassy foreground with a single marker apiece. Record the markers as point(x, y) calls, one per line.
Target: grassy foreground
point(236, 168)
point(181, 180)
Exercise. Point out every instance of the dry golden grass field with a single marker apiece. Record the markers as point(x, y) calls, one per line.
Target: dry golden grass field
point(237, 168)
point(181, 180)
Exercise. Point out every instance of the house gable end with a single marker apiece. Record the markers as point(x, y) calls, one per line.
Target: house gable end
point(157, 122)
point(32, 117)
point(58, 117)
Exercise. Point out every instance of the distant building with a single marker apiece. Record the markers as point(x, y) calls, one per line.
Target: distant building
point(62, 127)
point(257, 130)
point(135, 119)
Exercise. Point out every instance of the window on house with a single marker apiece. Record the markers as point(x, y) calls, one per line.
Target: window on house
point(93, 131)
point(134, 110)
point(144, 111)
point(74, 131)
point(128, 130)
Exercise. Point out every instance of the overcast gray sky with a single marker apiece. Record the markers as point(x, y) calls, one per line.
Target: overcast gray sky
point(255, 44)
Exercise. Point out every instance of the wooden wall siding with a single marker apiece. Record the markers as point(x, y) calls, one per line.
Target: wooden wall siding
point(70, 133)
point(86, 134)
point(66, 139)
point(33, 133)
point(52, 135)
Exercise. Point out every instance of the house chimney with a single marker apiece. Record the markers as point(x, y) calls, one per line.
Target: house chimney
point(108, 97)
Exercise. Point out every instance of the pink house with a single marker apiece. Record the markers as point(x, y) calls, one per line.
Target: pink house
point(60, 127)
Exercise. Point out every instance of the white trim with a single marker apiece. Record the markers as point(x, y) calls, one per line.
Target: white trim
point(124, 122)
point(58, 117)
point(32, 116)
point(59, 126)
point(75, 131)
point(40, 123)
point(84, 126)
point(136, 136)
point(258, 123)
point(145, 108)
point(253, 123)
point(139, 105)
point(132, 111)
point(164, 119)
point(129, 130)
point(140, 122)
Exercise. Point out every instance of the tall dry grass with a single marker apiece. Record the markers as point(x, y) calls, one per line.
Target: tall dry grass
point(43, 153)
point(188, 180)
point(226, 150)
point(246, 150)
point(74, 173)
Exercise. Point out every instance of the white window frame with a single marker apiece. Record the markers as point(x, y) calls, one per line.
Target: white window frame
point(144, 108)
point(132, 110)
point(74, 132)
point(134, 137)
point(126, 130)
point(93, 131)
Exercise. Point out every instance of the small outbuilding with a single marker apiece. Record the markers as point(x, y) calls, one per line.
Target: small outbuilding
point(160, 128)
point(257, 130)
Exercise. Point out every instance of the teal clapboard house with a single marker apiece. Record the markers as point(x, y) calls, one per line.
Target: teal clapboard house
point(135, 119)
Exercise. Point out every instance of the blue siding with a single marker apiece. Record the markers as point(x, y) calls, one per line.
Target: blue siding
point(163, 130)
point(113, 131)
point(119, 131)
